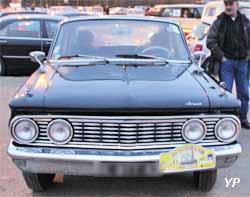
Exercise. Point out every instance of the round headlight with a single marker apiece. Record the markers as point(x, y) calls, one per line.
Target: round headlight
point(25, 131)
point(227, 130)
point(60, 132)
point(194, 131)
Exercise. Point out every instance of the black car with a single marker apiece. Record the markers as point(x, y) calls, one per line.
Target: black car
point(21, 34)
point(121, 96)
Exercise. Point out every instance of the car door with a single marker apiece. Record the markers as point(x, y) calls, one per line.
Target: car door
point(50, 28)
point(17, 39)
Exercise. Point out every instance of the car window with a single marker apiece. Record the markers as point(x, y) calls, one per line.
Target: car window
point(200, 31)
point(26, 28)
point(200, 10)
point(196, 13)
point(172, 12)
point(181, 13)
point(210, 12)
point(51, 27)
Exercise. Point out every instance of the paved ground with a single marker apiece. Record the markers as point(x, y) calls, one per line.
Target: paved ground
point(12, 184)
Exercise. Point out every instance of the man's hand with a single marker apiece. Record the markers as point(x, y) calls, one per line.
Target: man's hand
point(224, 59)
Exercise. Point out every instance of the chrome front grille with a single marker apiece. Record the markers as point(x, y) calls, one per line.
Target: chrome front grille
point(126, 132)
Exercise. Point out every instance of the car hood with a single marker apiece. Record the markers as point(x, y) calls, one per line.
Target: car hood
point(118, 87)
point(125, 88)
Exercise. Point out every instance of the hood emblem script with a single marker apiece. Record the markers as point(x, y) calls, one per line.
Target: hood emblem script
point(190, 103)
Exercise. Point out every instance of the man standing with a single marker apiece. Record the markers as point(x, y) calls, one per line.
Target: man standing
point(229, 42)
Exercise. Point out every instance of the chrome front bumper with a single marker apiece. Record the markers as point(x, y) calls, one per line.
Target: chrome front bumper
point(97, 162)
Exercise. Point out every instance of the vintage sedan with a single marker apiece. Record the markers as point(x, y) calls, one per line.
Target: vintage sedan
point(21, 34)
point(188, 15)
point(121, 96)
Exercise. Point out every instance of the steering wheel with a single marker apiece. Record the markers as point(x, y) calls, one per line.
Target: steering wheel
point(154, 50)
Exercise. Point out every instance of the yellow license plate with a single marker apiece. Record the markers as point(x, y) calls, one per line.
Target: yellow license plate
point(189, 157)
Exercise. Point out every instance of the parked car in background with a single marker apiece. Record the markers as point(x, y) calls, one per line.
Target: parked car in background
point(12, 8)
point(20, 13)
point(143, 7)
point(138, 106)
point(198, 37)
point(91, 10)
point(37, 9)
point(212, 10)
point(21, 34)
point(245, 9)
point(70, 14)
point(118, 11)
point(215, 8)
point(56, 10)
point(188, 15)
point(135, 12)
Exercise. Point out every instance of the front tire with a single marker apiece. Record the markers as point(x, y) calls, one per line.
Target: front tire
point(205, 180)
point(38, 182)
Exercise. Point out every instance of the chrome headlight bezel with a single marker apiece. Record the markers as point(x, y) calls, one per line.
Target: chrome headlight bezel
point(16, 138)
point(237, 130)
point(71, 133)
point(183, 132)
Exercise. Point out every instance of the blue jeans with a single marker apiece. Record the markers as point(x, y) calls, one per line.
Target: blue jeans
point(237, 70)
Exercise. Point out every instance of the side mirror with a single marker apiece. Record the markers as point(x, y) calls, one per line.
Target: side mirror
point(198, 58)
point(38, 57)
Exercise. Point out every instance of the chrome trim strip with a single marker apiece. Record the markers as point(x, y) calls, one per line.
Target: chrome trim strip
point(104, 156)
point(129, 117)
point(25, 38)
point(116, 146)
point(73, 62)
point(16, 57)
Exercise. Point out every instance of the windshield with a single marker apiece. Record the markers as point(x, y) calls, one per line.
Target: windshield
point(110, 38)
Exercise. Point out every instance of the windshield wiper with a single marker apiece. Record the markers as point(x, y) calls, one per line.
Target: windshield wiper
point(103, 59)
point(143, 56)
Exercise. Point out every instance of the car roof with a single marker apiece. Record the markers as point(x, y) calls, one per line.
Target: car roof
point(123, 17)
point(180, 5)
point(30, 16)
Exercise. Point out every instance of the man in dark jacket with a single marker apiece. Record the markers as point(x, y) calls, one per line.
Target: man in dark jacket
point(229, 42)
